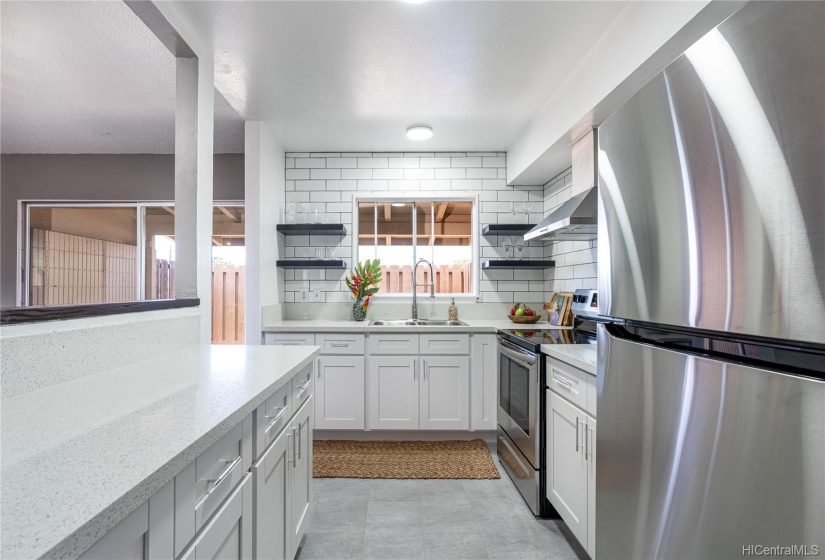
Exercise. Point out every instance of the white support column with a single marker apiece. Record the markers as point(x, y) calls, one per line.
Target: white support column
point(265, 194)
point(186, 178)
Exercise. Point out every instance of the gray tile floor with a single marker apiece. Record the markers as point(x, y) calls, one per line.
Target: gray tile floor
point(430, 519)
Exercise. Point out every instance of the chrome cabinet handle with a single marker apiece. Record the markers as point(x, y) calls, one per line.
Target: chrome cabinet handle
point(415, 367)
point(294, 448)
point(424, 368)
point(215, 482)
point(319, 369)
point(275, 418)
point(563, 382)
point(298, 441)
point(304, 387)
point(577, 434)
point(588, 443)
point(339, 344)
point(292, 435)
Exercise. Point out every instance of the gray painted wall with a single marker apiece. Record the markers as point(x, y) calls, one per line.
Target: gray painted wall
point(92, 177)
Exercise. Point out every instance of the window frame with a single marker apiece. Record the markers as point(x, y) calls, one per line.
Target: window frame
point(24, 239)
point(471, 297)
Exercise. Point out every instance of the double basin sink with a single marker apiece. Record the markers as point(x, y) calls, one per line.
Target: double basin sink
point(418, 323)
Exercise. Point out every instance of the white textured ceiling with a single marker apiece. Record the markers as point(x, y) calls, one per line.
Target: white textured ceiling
point(353, 75)
point(89, 77)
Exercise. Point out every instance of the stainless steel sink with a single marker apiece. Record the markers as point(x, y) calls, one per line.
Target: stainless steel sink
point(418, 323)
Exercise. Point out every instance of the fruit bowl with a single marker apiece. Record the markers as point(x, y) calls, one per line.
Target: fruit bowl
point(525, 319)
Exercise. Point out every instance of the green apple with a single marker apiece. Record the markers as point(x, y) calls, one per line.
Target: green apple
point(520, 312)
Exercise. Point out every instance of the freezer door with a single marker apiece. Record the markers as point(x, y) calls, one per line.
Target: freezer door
point(701, 459)
point(712, 187)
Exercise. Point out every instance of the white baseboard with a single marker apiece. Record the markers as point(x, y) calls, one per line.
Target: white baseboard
point(397, 435)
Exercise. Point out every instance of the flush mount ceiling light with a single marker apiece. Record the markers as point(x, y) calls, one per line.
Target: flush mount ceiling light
point(415, 1)
point(398, 204)
point(419, 133)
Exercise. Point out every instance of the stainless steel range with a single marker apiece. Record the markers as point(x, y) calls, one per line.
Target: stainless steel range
point(521, 439)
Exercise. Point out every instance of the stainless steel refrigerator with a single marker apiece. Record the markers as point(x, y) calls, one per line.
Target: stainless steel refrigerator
point(711, 384)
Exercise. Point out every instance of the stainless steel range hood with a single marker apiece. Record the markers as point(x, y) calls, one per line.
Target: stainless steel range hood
point(576, 219)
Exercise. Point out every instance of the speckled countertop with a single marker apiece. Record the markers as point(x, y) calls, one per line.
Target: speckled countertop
point(473, 326)
point(79, 456)
point(582, 356)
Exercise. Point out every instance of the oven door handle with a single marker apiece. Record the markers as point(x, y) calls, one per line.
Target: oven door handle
point(512, 351)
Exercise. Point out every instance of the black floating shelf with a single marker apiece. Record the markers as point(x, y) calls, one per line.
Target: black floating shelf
point(306, 263)
point(312, 229)
point(525, 264)
point(507, 229)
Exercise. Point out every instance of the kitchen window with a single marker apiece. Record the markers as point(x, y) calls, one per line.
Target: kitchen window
point(400, 231)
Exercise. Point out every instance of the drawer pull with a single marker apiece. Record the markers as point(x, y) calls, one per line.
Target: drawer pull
point(276, 418)
point(215, 482)
point(339, 344)
point(303, 388)
point(563, 382)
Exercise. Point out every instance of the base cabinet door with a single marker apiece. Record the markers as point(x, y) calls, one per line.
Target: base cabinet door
point(566, 463)
point(445, 393)
point(301, 477)
point(483, 382)
point(339, 393)
point(393, 395)
point(228, 535)
point(272, 501)
point(591, 486)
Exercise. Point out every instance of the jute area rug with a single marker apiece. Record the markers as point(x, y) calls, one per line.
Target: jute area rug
point(402, 459)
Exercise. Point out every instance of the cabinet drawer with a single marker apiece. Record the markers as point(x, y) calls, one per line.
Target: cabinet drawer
point(567, 381)
point(270, 418)
point(398, 344)
point(446, 344)
point(335, 343)
point(301, 387)
point(290, 339)
point(203, 485)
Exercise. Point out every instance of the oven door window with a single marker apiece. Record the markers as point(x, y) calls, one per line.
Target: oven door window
point(519, 395)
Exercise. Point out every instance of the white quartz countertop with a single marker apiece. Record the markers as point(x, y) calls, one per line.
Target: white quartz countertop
point(582, 356)
point(473, 326)
point(79, 456)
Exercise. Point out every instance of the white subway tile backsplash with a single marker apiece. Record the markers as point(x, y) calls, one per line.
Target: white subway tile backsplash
point(465, 162)
point(341, 162)
point(403, 162)
point(310, 185)
point(309, 162)
point(328, 181)
point(325, 174)
point(292, 174)
point(373, 162)
point(493, 162)
point(431, 162)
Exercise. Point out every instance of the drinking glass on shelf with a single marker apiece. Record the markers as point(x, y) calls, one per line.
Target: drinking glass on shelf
point(290, 217)
point(519, 247)
point(316, 216)
point(514, 209)
point(304, 213)
point(507, 244)
point(332, 253)
point(319, 254)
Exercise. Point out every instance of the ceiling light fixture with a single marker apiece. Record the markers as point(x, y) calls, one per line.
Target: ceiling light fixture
point(398, 204)
point(415, 1)
point(419, 133)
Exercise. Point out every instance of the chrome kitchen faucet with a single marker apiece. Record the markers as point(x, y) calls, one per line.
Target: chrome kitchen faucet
point(415, 285)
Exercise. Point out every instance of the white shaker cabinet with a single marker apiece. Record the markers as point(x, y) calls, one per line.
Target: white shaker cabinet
point(483, 382)
point(228, 535)
point(445, 393)
point(301, 478)
point(571, 467)
point(339, 392)
point(393, 392)
point(271, 486)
